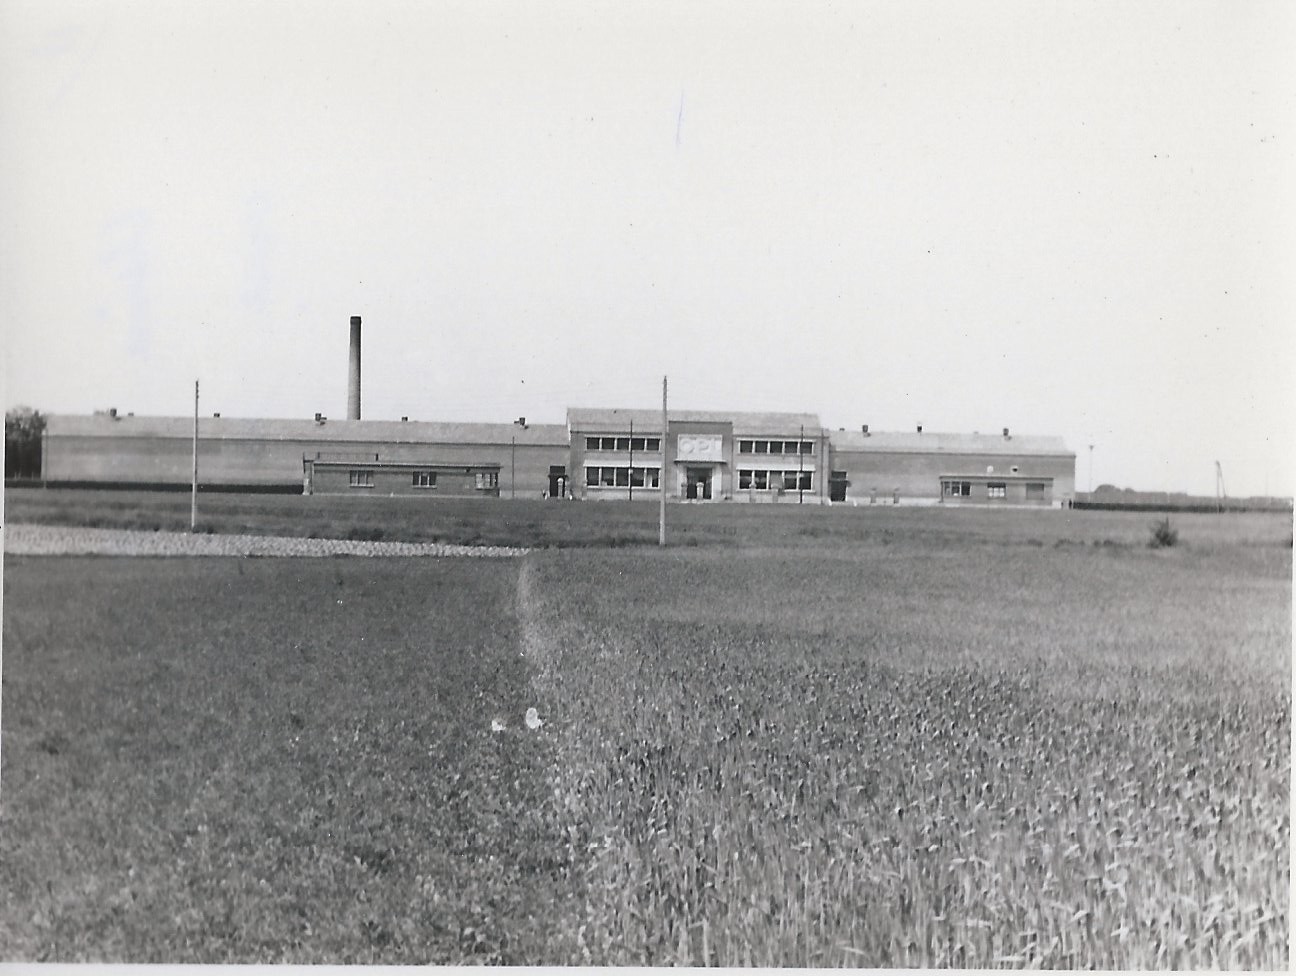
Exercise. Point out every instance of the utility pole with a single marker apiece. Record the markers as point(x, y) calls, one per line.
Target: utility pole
point(193, 497)
point(631, 479)
point(513, 466)
point(1091, 447)
point(661, 477)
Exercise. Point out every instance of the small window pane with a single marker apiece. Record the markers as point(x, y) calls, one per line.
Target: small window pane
point(654, 444)
point(636, 443)
point(636, 477)
point(760, 447)
point(744, 447)
point(622, 477)
point(591, 443)
point(744, 479)
point(760, 478)
point(623, 443)
point(591, 477)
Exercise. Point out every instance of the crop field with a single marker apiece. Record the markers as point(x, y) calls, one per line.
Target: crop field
point(930, 739)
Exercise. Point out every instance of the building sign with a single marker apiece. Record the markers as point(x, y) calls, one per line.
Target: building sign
point(700, 447)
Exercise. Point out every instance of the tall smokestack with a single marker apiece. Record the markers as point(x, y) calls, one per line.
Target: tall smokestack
point(353, 372)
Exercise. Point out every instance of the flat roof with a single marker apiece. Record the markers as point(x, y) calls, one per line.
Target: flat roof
point(745, 423)
point(331, 431)
point(935, 442)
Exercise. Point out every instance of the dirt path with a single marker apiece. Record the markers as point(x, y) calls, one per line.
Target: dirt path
point(62, 540)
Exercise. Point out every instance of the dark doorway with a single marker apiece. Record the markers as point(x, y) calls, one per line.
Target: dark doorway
point(557, 481)
point(698, 483)
point(837, 485)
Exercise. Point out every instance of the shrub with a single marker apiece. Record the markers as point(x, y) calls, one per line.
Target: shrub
point(1164, 534)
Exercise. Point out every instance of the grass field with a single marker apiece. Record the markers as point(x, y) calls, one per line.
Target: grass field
point(827, 737)
point(270, 760)
point(559, 524)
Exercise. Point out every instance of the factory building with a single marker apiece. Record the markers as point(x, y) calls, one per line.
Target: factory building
point(311, 456)
point(927, 468)
point(598, 454)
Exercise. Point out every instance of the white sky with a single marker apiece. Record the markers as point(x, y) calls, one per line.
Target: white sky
point(1070, 219)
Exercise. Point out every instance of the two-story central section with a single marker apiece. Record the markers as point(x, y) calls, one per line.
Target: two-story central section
point(701, 456)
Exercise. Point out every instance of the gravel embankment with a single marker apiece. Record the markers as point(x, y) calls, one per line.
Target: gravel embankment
point(66, 540)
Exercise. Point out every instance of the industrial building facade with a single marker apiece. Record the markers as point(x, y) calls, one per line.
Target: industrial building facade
point(599, 454)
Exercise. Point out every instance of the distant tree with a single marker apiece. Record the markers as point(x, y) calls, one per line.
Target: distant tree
point(23, 428)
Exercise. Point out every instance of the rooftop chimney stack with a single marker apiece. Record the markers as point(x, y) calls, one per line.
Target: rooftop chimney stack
point(353, 372)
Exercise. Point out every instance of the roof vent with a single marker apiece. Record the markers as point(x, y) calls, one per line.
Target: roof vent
point(216, 414)
point(865, 429)
point(1007, 436)
point(404, 420)
point(521, 422)
point(920, 428)
point(320, 418)
point(112, 412)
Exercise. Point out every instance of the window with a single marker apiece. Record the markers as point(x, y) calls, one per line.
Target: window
point(622, 477)
point(807, 447)
point(996, 489)
point(609, 443)
point(636, 443)
point(805, 480)
point(791, 447)
point(744, 478)
point(607, 477)
point(636, 477)
point(760, 447)
point(653, 444)
point(745, 447)
point(760, 479)
point(486, 480)
point(591, 477)
point(623, 443)
point(957, 489)
point(789, 480)
point(424, 479)
point(361, 479)
point(1034, 490)
point(591, 443)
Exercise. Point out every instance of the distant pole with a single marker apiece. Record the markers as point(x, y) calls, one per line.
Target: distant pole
point(800, 465)
point(1091, 447)
point(513, 466)
point(193, 496)
point(661, 477)
point(631, 482)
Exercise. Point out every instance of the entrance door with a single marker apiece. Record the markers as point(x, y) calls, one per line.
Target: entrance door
point(837, 485)
point(557, 481)
point(698, 484)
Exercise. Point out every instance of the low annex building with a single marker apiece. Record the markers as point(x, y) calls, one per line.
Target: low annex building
point(890, 467)
point(599, 454)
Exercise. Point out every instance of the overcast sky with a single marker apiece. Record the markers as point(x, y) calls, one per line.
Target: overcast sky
point(1063, 218)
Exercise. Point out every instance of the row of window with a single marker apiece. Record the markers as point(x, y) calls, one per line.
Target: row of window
point(361, 478)
point(611, 476)
point(787, 480)
point(623, 443)
point(775, 447)
point(994, 489)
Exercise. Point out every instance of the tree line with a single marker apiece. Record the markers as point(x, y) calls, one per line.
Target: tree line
point(23, 429)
